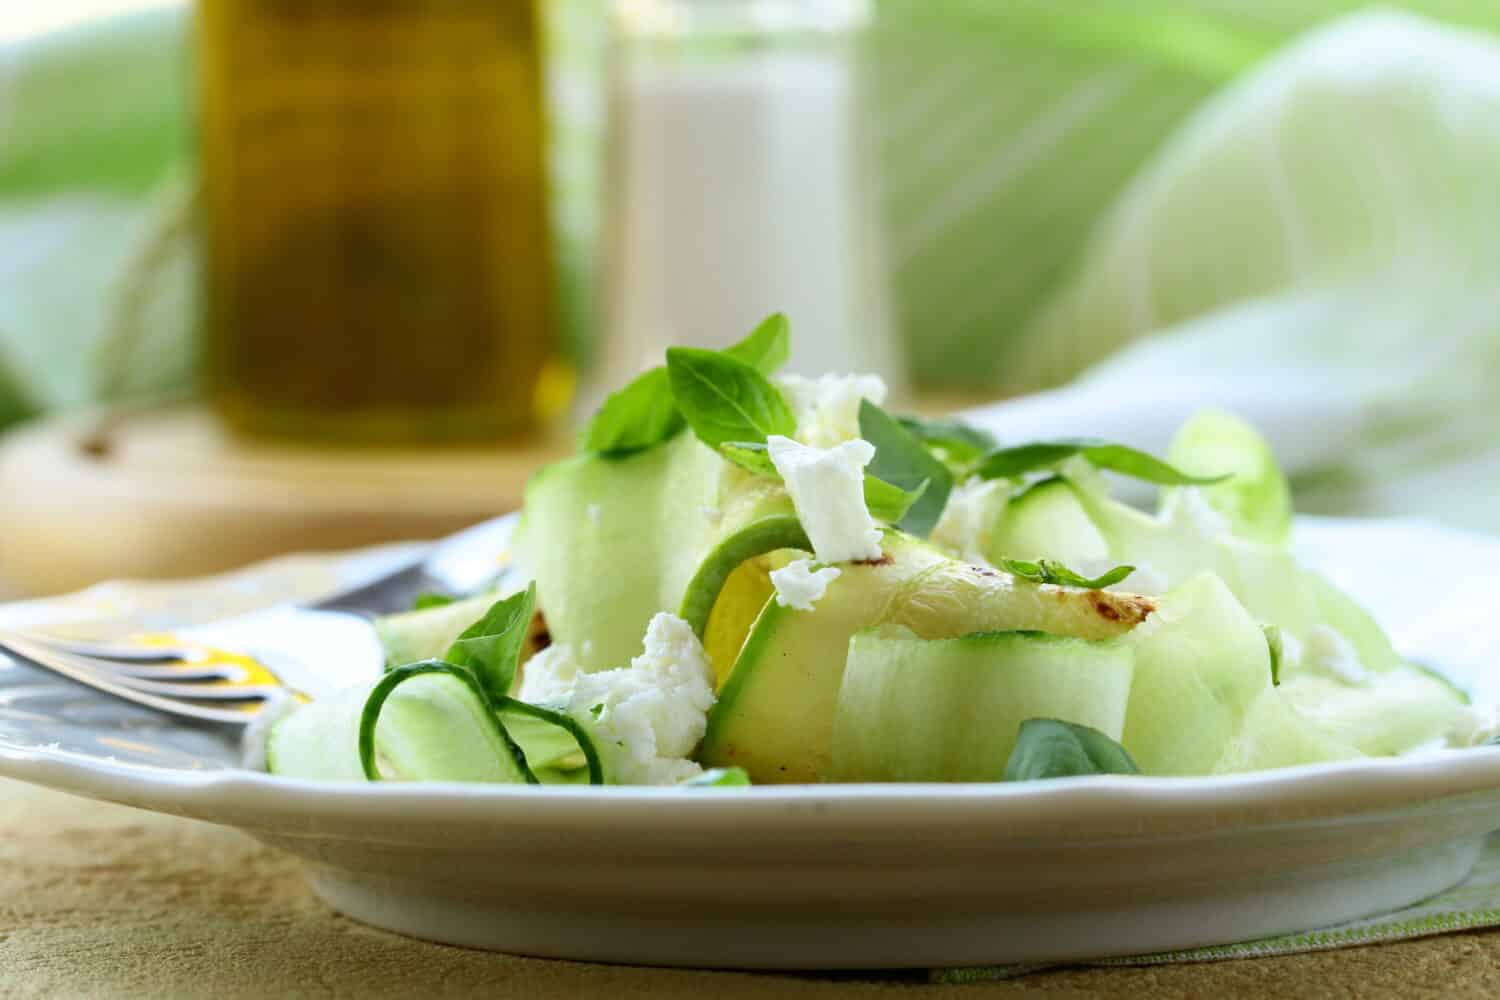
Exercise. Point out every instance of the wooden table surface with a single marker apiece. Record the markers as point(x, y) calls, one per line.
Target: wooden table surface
point(102, 900)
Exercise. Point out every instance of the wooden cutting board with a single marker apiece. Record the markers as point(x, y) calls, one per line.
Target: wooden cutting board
point(166, 492)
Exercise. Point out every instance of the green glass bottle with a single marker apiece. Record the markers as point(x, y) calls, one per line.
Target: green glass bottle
point(378, 266)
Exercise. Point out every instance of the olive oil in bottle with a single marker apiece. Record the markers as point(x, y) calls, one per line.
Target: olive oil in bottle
point(378, 267)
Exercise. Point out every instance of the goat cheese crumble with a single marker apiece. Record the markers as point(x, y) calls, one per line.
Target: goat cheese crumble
point(646, 718)
point(799, 586)
point(827, 486)
point(827, 407)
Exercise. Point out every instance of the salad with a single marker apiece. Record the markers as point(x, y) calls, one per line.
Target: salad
point(745, 577)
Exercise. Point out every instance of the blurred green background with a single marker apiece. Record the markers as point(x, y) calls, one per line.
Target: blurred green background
point(1293, 194)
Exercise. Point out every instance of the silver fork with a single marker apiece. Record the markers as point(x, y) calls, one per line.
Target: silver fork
point(229, 671)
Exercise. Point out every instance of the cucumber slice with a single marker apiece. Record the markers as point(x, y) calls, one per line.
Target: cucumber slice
point(775, 714)
point(1398, 711)
point(613, 541)
point(1339, 611)
point(425, 722)
point(740, 602)
point(1255, 499)
point(556, 746)
point(321, 740)
point(1274, 734)
point(446, 731)
point(1266, 579)
point(426, 634)
point(1201, 662)
point(1046, 520)
point(914, 709)
point(781, 531)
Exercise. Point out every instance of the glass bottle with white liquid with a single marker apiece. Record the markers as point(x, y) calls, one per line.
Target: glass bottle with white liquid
point(740, 185)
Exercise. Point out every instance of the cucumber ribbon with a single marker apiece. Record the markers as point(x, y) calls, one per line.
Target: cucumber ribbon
point(482, 664)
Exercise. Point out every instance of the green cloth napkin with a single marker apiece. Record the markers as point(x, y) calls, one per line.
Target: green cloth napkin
point(1475, 902)
point(1315, 248)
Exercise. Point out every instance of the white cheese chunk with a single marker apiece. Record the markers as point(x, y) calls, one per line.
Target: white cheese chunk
point(646, 718)
point(827, 486)
point(827, 407)
point(547, 678)
point(799, 586)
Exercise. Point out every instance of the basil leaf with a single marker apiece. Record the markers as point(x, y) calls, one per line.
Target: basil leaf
point(491, 647)
point(1034, 484)
point(431, 599)
point(639, 416)
point(889, 503)
point(719, 777)
point(750, 456)
point(1011, 463)
point(960, 443)
point(768, 346)
point(1139, 465)
point(1051, 748)
point(1277, 649)
point(903, 461)
point(1047, 571)
point(725, 400)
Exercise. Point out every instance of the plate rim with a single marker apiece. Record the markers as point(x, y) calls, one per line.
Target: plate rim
point(1091, 807)
point(1101, 803)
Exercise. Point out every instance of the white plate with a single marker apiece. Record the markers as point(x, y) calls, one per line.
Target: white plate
point(832, 876)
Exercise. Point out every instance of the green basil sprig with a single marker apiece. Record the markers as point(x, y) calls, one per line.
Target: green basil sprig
point(1052, 748)
point(904, 462)
point(1016, 461)
point(961, 444)
point(645, 412)
point(491, 647)
point(752, 456)
point(637, 417)
point(726, 400)
point(1277, 647)
point(768, 346)
point(1047, 571)
point(890, 503)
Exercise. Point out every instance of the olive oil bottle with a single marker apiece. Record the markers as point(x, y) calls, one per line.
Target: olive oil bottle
point(377, 267)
